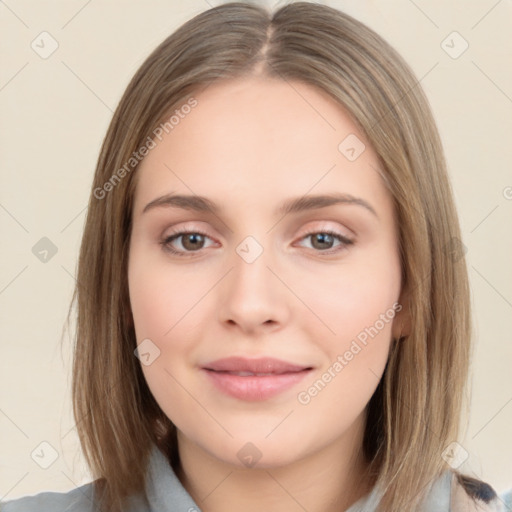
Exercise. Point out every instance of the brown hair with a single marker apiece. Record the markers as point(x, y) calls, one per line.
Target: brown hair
point(415, 412)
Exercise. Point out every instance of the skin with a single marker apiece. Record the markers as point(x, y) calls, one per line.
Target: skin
point(248, 145)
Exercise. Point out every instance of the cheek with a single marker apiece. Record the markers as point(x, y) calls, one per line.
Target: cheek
point(347, 299)
point(358, 307)
point(162, 300)
point(154, 306)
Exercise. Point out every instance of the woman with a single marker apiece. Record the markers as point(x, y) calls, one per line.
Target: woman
point(273, 304)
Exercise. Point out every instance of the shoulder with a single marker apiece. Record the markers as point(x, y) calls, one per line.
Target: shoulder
point(80, 499)
point(469, 494)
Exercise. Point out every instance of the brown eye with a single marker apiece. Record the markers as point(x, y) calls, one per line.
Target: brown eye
point(323, 241)
point(191, 241)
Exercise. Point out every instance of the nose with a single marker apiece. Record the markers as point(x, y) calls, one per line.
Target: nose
point(252, 297)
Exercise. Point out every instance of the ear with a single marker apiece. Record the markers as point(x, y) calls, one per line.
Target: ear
point(402, 323)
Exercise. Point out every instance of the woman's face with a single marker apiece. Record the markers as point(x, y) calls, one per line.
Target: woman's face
point(263, 337)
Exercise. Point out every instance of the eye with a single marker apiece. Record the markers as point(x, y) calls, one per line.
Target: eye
point(192, 241)
point(322, 241)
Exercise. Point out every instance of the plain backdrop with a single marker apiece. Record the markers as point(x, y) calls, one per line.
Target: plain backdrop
point(54, 112)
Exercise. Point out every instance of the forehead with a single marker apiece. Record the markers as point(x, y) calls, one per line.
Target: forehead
point(260, 139)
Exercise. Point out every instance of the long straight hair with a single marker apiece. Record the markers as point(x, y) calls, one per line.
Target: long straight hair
point(416, 410)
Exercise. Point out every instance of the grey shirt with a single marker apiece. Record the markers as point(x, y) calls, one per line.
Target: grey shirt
point(165, 493)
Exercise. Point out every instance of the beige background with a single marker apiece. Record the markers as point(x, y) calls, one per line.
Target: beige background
point(54, 114)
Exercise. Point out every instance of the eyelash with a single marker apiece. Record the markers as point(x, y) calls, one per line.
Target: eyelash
point(168, 239)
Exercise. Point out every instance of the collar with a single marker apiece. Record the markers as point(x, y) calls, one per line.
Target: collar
point(164, 491)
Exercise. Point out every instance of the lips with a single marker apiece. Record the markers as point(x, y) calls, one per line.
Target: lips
point(254, 379)
point(263, 365)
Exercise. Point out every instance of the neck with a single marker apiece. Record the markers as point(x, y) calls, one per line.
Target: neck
point(329, 480)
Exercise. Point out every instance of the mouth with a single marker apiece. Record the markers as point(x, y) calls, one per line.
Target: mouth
point(254, 379)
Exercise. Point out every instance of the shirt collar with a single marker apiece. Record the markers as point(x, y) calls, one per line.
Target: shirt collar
point(164, 491)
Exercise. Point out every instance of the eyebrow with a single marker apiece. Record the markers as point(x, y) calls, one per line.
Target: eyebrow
point(293, 205)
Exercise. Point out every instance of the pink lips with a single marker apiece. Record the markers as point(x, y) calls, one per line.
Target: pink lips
point(254, 379)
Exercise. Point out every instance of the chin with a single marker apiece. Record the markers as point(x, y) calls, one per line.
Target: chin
point(257, 454)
